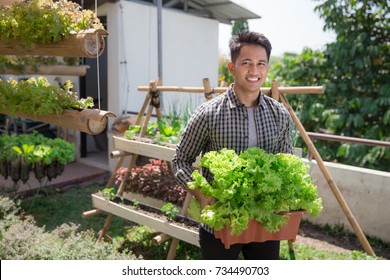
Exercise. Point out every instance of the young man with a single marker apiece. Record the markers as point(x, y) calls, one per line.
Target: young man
point(240, 118)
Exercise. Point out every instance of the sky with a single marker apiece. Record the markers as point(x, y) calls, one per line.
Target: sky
point(290, 25)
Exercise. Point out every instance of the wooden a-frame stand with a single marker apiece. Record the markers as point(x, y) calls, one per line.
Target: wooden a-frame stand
point(152, 99)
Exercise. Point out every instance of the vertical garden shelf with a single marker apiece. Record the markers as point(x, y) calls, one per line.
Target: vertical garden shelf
point(143, 147)
point(88, 43)
point(90, 121)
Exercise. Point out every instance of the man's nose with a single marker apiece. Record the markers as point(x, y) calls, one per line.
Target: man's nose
point(254, 69)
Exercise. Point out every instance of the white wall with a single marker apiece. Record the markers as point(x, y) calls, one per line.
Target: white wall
point(366, 192)
point(190, 53)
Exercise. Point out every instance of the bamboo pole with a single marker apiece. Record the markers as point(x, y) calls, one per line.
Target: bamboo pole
point(208, 93)
point(88, 43)
point(161, 238)
point(65, 70)
point(328, 177)
point(91, 213)
point(91, 121)
point(103, 232)
point(175, 241)
point(285, 90)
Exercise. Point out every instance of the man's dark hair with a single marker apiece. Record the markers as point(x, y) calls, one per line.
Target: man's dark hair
point(248, 38)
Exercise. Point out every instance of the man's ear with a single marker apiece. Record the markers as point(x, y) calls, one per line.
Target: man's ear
point(230, 65)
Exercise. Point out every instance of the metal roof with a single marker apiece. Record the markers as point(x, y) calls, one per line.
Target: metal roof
point(224, 11)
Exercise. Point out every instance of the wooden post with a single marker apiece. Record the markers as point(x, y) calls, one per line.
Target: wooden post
point(208, 92)
point(175, 241)
point(103, 231)
point(328, 177)
point(91, 213)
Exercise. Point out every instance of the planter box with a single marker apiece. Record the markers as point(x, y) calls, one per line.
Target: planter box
point(171, 229)
point(256, 233)
point(146, 149)
point(91, 121)
point(88, 43)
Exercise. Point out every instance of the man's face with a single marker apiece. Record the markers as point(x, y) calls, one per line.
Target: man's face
point(250, 69)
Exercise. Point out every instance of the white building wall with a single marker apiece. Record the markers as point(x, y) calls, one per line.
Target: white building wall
point(366, 192)
point(190, 53)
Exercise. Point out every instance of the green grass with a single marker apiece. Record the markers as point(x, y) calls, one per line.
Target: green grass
point(53, 210)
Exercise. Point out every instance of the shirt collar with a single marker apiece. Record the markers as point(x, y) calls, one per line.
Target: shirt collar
point(235, 102)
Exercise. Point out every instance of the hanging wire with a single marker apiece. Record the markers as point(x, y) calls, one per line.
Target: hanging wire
point(97, 60)
point(124, 60)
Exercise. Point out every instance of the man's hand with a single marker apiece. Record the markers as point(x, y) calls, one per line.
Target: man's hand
point(205, 200)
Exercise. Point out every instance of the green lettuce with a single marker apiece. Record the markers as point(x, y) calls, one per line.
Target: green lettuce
point(254, 185)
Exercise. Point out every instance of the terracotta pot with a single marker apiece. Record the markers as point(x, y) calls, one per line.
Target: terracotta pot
point(256, 233)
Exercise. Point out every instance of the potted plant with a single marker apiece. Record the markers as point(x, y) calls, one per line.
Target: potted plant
point(58, 28)
point(22, 163)
point(36, 99)
point(254, 189)
point(34, 152)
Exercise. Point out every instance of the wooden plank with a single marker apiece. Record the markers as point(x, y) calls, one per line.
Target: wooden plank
point(146, 149)
point(182, 233)
point(146, 200)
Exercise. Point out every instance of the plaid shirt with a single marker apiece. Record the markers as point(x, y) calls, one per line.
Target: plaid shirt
point(223, 123)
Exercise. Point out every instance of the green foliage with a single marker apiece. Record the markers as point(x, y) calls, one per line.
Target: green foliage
point(37, 97)
point(38, 21)
point(355, 73)
point(223, 71)
point(22, 239)
point(109, 193)
point(21, 63)
point(34, 152)
point(239, 26)
point(65, 208)
point(254, 185)
point(169, 210)
point(167, 129)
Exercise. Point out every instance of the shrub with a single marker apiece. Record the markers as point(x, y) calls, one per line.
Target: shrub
point(21, 239)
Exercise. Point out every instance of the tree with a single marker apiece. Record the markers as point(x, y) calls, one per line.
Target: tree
point(239, 26)
point(355, 73)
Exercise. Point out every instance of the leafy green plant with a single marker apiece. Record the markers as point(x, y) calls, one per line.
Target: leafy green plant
point(169, 128)
point(38, 21)
point(135, 202)
point(109, 193)
point(38, 97)
point(170, 210)
point(45, 155)
point(254, 185)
